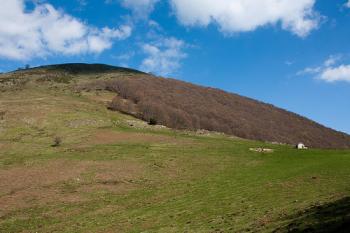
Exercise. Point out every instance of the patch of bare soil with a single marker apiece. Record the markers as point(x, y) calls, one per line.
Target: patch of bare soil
point(110, 137)
point(30, 115)
point(103, 97)
point(23, 187)
point(117, 176)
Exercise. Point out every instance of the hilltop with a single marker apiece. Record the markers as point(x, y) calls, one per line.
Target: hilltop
point(182, 105)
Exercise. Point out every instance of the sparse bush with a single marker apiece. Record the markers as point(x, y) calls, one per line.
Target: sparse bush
point(57, 141)
point(2, 115)
point(152, 121)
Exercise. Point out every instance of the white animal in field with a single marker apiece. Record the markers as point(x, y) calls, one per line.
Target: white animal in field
point(301, 146)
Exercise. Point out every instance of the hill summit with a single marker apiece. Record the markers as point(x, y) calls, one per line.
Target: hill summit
point(183, 105)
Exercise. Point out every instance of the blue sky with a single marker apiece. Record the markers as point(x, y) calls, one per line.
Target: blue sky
point(293, 54)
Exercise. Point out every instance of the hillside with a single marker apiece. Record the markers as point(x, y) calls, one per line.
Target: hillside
point(69, 164)
point(182, 105)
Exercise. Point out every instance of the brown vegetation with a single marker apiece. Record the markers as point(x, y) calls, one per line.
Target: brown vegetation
point(110, 137)
point(182, 105)
point(2, 115)
point(64, 181)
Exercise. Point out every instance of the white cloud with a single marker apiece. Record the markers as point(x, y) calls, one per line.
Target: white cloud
point(330, 71)
point(332, 60)
point(82, 2)
point(164, 56)
point(126, 56)
point(234, 16)
point(310, 70)
point(336, 74)
point(347, 4)
point(288, 63)
point(140, 8)
point(45, 30)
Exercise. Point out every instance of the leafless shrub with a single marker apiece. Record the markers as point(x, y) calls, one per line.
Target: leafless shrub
point(57, 141)
point(2, 115)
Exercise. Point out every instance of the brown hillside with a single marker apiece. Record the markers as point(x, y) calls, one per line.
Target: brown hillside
point(182, 105)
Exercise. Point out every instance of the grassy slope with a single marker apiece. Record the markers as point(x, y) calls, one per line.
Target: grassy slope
point(110, 177)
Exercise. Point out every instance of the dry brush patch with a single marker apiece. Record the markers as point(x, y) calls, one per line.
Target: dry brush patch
point(114, 137)
point(114, 176)
point(20, 185)
point(2, 145)
point(64, 181)
point(103, 97)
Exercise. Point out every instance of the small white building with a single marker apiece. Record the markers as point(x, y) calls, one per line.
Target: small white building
point(301, 146)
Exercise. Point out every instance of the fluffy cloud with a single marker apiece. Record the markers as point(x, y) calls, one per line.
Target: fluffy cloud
point(334, 74)
point(164, 56)
point(332, 60)
point(45, 30)
point(234, 16)
point(140, 8)
point(330, 71)
point(247, 15)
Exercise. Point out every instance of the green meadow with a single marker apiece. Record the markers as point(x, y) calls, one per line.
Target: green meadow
point(109, 172)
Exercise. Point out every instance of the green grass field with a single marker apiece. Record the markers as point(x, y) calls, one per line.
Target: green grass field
point(112, 173)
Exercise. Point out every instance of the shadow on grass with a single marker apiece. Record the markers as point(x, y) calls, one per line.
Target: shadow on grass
point(332, 217)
